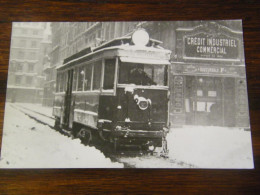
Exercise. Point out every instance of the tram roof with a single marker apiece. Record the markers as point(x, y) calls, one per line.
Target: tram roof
point(113, 44)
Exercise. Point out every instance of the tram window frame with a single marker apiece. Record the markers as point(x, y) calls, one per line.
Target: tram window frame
point(62, 82)
point(57, 82)
point(96, 84)
point(110, 92)
point(60, 85)
point(112, 76)
point(126, 69)
point(90, 67)
point(80, 78)
point(75, 79)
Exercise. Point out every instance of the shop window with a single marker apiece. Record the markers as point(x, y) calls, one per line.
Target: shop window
point(205, 106)
point(199, 93)
point(187, 105)
point(109, 74)
point(97, 75)
point(212, 93)
point(201, 106)
point(209, 105)
point(88, 77)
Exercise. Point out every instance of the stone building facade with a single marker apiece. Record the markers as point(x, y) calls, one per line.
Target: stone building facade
point(25, 78)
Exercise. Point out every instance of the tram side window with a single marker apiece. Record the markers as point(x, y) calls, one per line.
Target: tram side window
point(80, 78)
point(97, 75)
point(61, 83)
point(65, 81)
point(58, 82)
point(88, 75)
point(109, 74)
point(75, 75)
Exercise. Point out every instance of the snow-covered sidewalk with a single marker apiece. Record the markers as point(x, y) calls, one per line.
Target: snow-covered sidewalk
point(211, 147)
point(28, 144)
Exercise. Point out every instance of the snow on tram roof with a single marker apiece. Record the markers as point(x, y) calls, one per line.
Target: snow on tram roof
point(112, 45)
point(106, 44)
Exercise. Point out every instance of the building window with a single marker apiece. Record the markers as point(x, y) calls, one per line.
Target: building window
point(24, 31)
point(12, 66)
point(28, 80)
point(19, 67)
point(18, 80)
point(30, 67)
point(35, 32)
point(33, 44)
point(22, 43)
point(32, 56)
point(21, 55)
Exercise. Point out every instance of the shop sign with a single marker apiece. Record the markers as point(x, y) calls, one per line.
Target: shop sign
point(206, 46)
point(208, 70)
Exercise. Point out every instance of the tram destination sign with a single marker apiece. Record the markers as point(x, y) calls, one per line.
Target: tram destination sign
point(205, 46)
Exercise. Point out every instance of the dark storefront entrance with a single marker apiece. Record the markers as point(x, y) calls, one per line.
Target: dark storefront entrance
point(209, 101)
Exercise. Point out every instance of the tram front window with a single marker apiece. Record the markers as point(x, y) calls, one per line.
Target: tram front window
point(142, 74)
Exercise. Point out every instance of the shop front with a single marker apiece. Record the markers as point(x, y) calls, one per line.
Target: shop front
point(208, 86)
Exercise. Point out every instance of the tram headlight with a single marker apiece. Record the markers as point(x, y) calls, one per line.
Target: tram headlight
point(143, 105)
point(142, 102)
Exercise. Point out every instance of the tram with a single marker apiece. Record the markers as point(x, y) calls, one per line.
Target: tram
point(118, 91)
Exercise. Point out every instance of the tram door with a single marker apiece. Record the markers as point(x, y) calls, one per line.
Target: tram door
point(204, 98)
point(68, 97)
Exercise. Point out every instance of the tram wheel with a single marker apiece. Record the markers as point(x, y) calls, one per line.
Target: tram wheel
point(85, 135)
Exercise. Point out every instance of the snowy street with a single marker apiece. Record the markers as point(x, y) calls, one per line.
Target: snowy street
point(29, 144)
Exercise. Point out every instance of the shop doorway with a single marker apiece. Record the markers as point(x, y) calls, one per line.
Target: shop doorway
point(204, 103)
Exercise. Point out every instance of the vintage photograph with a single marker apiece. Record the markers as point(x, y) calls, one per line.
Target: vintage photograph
point(141, 94)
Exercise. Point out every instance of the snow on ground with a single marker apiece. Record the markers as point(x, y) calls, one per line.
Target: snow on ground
point(28, 144)
point(189, 147)
point(211, 147)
